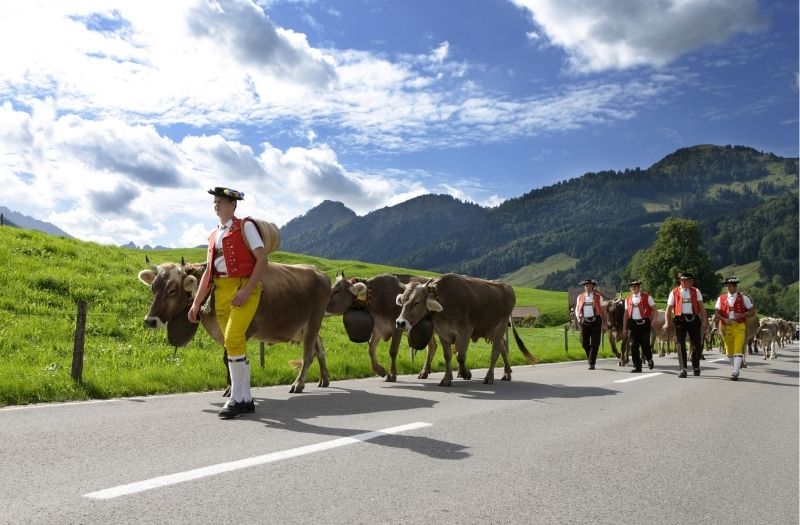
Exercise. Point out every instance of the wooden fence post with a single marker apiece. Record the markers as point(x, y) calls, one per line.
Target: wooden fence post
point(566, 338)
point(80, 336)
point(261, 353)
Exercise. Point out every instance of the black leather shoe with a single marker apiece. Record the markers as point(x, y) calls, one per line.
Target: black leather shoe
point(734, 377)
point(591, 367)
point(636, 371)
point(233, 409)
point(249, 406)
point(650, 364)
point(697, 371)
point(683, 373)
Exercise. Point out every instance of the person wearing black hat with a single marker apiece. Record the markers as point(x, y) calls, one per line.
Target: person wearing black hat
point(591, 318)
point(637, 320)
point(732, 310)
point(236, 260)
point(685, 308)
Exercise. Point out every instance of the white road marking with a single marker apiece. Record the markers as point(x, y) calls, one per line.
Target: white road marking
point(213, 470)
point(638, 377)
point(36, 406)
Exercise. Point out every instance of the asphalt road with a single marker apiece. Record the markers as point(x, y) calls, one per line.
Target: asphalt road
point(558, 444)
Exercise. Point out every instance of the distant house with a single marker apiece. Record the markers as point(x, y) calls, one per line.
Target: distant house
point(524, 315)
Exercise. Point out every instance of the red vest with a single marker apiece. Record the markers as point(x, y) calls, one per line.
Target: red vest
point(238, 259)
point(644, 306)
point(595, 304)
point(677, 301)
point(738, 306)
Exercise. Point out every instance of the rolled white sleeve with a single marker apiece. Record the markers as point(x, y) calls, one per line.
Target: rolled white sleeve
point(253, 238)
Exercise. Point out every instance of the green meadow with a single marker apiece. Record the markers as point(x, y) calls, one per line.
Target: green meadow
point(45, 277)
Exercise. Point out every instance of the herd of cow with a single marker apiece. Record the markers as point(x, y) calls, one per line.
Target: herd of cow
point(459, 308)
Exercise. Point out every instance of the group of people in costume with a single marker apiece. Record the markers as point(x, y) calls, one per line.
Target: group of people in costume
point(685, 310)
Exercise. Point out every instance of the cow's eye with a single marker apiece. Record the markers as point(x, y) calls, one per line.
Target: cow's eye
point(172, 291)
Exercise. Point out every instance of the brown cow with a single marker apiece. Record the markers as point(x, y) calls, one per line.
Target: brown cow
point(381, 293)
point(290, 310)
point(664, 337)
point(615, 311)
point(463, 309)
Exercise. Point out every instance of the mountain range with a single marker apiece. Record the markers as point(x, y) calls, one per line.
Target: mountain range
point(13, 218)
point(588, 226)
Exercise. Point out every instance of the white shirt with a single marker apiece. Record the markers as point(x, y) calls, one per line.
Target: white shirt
point(731, 298)
point(253, 239)
point(588, 305)
point(686, 301)
point(636, 299)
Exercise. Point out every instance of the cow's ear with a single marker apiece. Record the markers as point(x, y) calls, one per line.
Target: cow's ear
point(434, 305)
point(359, 289)
point(399, 299)
point(147, 277)
point(190, 285)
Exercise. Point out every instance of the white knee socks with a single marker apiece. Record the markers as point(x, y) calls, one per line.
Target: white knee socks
point(240, 379)
point(737, 364)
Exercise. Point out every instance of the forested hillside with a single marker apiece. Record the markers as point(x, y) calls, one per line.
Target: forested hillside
point(741, 197)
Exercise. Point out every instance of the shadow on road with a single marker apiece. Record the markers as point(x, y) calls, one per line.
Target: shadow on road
point(508, 391)
point(290, 415)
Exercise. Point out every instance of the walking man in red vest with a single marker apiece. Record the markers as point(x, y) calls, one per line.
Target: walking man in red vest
point(732, 310)
point(591, 319)
point(235, 266)
point(685, 308)
point(639, 311)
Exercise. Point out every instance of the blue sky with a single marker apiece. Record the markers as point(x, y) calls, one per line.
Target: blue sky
point(116, 116)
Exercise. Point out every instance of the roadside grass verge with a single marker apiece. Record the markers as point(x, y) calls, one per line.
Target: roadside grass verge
point(45, 276)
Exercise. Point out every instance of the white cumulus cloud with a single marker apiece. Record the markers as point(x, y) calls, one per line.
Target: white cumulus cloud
point(600, 35)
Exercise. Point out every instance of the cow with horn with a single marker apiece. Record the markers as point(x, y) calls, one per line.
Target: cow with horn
point(369, 312)
point(463, 309)
point(290, 309)
point(238, 278)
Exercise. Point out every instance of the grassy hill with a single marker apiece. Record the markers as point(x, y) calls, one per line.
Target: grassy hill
point(46, 275)
point(534, 275)
point(747, 273)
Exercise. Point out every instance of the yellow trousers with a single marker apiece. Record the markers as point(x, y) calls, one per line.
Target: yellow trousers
point(234, 320)
point(734, 335)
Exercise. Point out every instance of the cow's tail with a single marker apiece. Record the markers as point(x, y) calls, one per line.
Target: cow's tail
point(297, 364)
point(521, 345)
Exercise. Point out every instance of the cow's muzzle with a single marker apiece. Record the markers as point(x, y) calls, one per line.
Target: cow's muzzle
point(153, 322)
point(402, 324)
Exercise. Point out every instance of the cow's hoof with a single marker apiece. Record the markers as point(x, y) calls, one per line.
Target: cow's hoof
point(380, 371)
point(423, 375)
point(296, 389)
point(445, 382)
point(467, 375)
point(506, 377)
point(488, 380)
point(324, 382)
point(391, 378)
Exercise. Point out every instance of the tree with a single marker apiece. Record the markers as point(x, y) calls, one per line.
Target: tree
point(776, 301)
point(677, 248)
